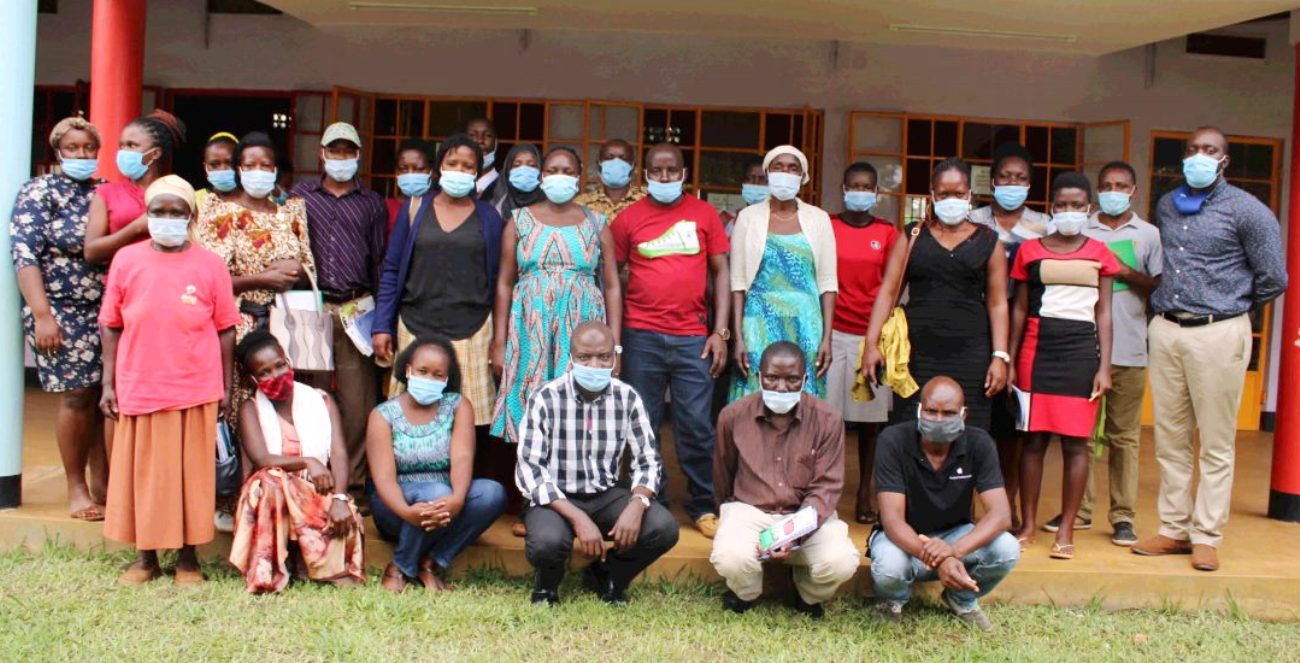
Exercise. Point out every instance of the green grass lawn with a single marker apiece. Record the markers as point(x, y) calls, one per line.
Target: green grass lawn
point(64, 605)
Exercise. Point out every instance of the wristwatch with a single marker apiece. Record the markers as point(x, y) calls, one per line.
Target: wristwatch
point(724, 334)
point(1002, 355)
point(342, 497)
point(645, 501)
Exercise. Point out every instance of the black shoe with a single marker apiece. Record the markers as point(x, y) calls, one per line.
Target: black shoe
point(734, 603)
point(596, 579)
point(1124, 535)
point(1054, 525)
point(813, 610)
point(547, 597)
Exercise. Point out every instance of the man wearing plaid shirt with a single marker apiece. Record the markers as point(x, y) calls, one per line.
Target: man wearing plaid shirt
point(574, 432)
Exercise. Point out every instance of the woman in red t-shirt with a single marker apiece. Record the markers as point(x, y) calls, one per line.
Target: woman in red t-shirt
point(168, 322)
point(1060, 351)
point(862, 244)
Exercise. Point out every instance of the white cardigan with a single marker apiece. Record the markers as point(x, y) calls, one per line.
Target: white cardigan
point(749, 238)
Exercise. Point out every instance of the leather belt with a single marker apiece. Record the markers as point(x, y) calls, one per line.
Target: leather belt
point(1197, 320)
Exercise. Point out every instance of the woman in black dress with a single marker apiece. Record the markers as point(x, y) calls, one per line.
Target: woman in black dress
point(957, 314)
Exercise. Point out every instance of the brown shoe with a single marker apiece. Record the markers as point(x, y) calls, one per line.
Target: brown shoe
point(1162, 545)
point(135, 576)
point(1205, 558)
point(188, 577)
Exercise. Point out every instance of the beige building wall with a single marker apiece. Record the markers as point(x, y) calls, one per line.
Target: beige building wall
point(1167, 91)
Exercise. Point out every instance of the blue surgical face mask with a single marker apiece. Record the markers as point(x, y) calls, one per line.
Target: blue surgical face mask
point(131, 164)
point(784, 186)
point(489, 158)
point(1010, 197)
point(665, 192)
point(222, 180)
point(169, 232)
point(425, 391)
point(257, 183)
point(1113, 203)
point(341, 170)
point(753, 194)
point(781, 402)
point(79, 169)
point(592, 379)
point(615, 173)
point(455, 183)
point(560, 189)
point(525, 178)
point(414, 184)
point(859, 201)
point(1201, 171)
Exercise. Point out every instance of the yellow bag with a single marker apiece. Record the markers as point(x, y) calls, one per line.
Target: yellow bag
point(894, 346)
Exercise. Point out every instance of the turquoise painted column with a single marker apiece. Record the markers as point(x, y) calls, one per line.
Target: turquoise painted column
point(18, 79)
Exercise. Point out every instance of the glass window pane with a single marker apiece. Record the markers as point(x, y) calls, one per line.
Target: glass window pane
point(383, 156)
point(1167, 156)
point(1159, 187)
point(778, 132)
point(1004, 134)
point(1065, 148)
point(1250, 160)
point(872, 133)
point(566, 122)
point(918, 138)
point(977, 141)
point(1036, 143)
point(1038, 183)
point(385, 117)
point(889, 173)
point(309, 112)
point(917, 178)
point(410, 119)
point(532, 123)
point(505, 117)
point(346, 109)
point(887, 207)
point(448, 117)
point(730, 129)
point(681, 125)
point(306, 152)
point(722, 169)
point(619, 122)
point(945, 138)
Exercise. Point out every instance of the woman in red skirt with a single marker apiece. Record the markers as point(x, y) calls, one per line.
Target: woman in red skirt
point(1060, 331)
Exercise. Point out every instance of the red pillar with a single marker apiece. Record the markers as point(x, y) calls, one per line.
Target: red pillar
point(1284, 496)
point(116, 73)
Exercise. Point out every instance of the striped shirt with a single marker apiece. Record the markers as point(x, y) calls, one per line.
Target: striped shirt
point(569, 445)
point(348, 235)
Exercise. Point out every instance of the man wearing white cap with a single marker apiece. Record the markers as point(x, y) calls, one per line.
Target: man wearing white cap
point(347, 223)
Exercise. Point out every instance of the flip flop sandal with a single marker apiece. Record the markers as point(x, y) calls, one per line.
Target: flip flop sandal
point(1025, 542)
point(91, 514)
point(1062, 551)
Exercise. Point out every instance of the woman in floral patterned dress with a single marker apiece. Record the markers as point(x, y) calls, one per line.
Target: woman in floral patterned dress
point(62, 292)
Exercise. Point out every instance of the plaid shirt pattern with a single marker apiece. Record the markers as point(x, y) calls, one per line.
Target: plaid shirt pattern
point(568, 444)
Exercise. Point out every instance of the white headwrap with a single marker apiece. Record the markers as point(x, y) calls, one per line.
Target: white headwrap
point(791, 150)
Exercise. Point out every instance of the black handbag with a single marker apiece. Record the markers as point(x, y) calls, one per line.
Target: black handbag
point(228, 469)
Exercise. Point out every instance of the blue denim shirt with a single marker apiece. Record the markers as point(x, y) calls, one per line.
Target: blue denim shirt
point(1222, 260)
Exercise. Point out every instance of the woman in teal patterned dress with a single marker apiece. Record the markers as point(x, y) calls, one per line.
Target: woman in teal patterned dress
point(783, 276)
point(551, 253)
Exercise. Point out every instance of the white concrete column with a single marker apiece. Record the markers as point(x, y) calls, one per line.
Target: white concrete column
point(18, 79)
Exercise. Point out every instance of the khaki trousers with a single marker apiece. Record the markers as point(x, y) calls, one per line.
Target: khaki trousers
point(354, 384)
point(1123, 435)
point(1197, 375)
point(827, 559)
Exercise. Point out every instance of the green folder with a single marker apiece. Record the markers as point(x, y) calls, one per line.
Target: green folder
point(1126, 251)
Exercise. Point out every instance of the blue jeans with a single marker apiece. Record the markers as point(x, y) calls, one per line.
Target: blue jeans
point(485, 501)
point(893, 571)
point(653, 362)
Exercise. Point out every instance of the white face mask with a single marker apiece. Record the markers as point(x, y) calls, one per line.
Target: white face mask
point(1069, 223)
point(784, 186)
point(951, 211)
point(781, 402)
point(169, 232)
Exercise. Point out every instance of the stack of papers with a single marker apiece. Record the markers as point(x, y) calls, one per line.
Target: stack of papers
point(358, 317)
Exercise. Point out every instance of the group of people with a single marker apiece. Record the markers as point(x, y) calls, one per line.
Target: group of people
point(536, 333)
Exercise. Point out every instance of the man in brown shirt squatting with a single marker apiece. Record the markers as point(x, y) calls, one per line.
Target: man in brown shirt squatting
point(779, 451)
